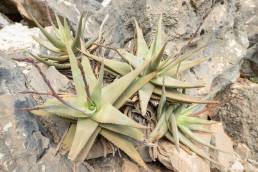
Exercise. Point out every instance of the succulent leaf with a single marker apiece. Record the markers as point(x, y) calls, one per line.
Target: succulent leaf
point(77, 76)
point(133, 88)
point(124, 145)
point(124, 130)
point(144, 96)
point(142, 48)
point(68, 139)
point(108, 114)
point(170, 82)
point(84, 130)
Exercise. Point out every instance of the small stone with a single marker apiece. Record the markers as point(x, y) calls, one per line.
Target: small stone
point(180, 161)
point(243, 151)
point(129, 166)
point(4, 21)
point(236, 167)
point(222, 141)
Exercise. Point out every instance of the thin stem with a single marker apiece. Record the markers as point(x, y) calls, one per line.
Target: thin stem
point(53, 93)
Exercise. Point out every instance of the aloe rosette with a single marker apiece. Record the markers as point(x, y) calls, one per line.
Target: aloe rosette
point(166, 69)
point(93, 111)
point(55, 42)
point(179, 125)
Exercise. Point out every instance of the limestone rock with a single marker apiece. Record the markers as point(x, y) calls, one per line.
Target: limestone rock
point(180, 161)
point(4, 21)
point(243, 151)
point(222, 141)
point(238, 112)
point(18, 37)
point(236, 167)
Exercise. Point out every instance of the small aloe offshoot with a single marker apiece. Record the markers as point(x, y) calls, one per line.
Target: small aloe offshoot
point(164, 68)
point(55, 42)
point(93, 110)
point(178, 125)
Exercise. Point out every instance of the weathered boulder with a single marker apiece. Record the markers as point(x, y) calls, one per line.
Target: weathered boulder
point(238, 112)
point(24, 146)
point(4, 20)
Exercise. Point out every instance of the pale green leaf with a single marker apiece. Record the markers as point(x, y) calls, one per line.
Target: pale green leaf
point(117, 67)
point(50, 37)
point(191, 135)
point(124, 145)
point(162, 102)
point(142, 48)
point(84, 130)
point(54, 106)
point(176, 96)
point(133, 88)
point(125, 130)
point(195, 149)
point(130, 58)
point(86, 149)
point(46, 44)
point(76, 41)
point(112, 91)
point(199, 128)
point(144, 96)
point(51, 63)
point(57, 58)
point(77, 76)
point(185, 65)
point(97, 91)
point(170, 82)
point(160, 129)
point(90, 76)
point(174, 130)
point(68, 138)
point(110, 115)
point(194, 120)
point(156, 58)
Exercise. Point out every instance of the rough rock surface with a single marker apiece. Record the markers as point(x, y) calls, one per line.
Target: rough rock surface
point(17, 37)
point(23, 147)
point(223, 30)
point(238, 112)
point(180, 161)
point(4, 21)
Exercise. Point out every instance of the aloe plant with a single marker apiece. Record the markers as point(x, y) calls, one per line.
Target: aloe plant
point(56, 44)
point(93, 111)
point(164, 68)
point(178, 124)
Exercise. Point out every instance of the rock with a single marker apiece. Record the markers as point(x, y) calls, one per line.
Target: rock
point(67, 8)
point(222, 141)
point(129, 166)
point(58, 81)
point(238, 112)
point(249, 10)
point(23, 145)
point(9, 9)
point(236, 167)
point(251, 166)
point(4, 21)
point(17, 37)
point(38, 8)
point(180, 161)
point(243, 151)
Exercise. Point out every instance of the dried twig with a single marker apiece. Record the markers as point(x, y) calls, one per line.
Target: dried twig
point(52, 91)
